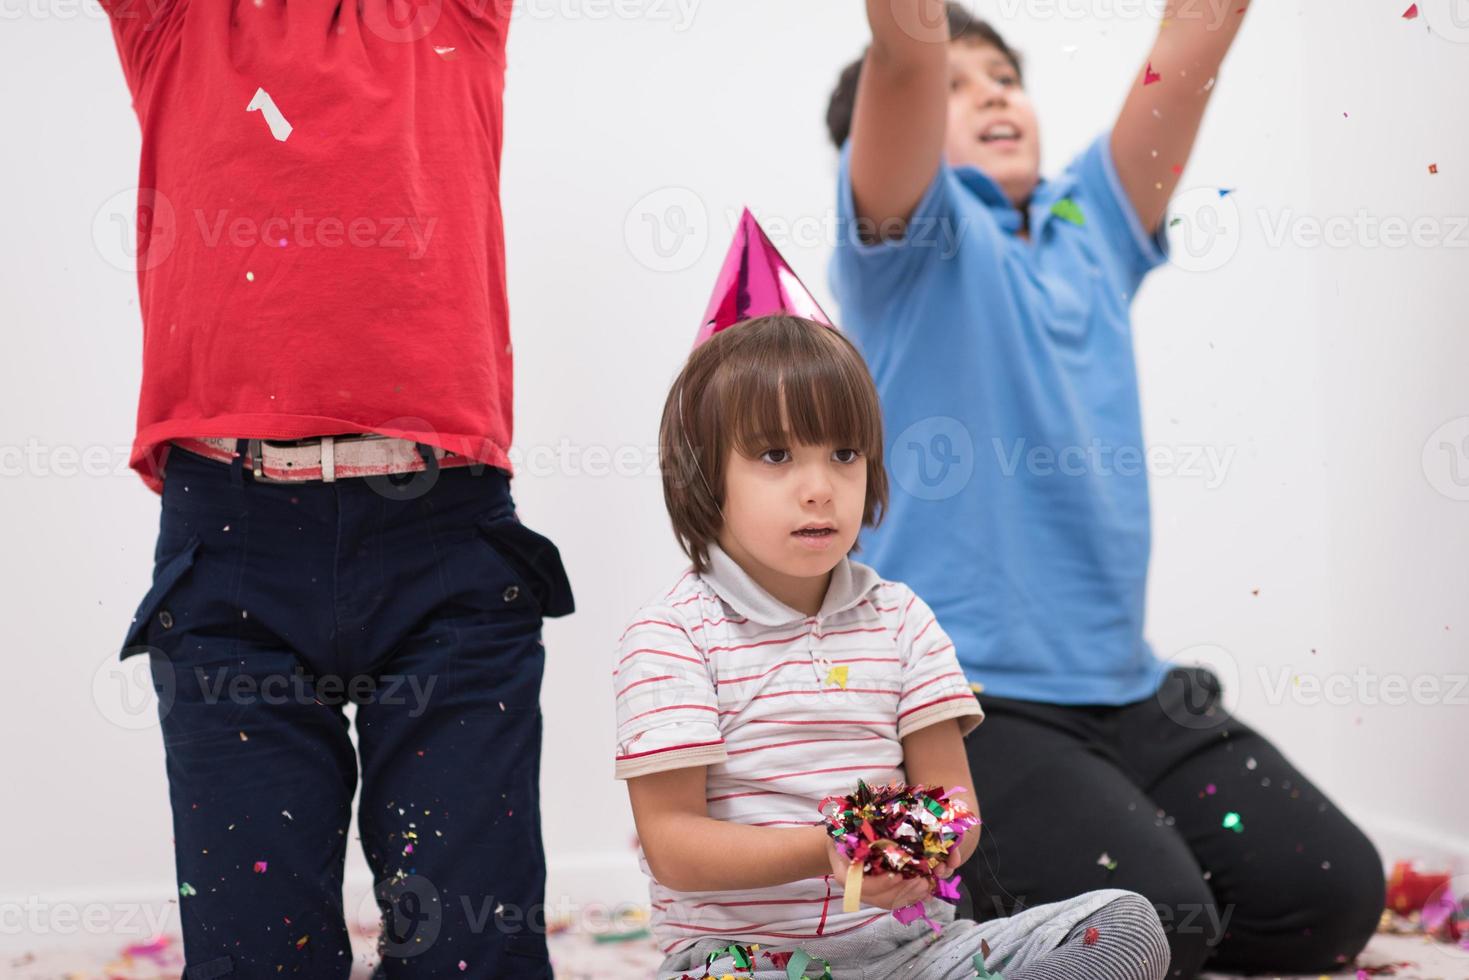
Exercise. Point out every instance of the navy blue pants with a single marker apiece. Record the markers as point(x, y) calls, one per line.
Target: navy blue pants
point(420, 600)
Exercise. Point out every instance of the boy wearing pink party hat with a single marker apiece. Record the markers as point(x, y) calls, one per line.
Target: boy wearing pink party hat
point(776, 671)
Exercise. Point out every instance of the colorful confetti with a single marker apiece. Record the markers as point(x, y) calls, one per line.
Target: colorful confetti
point(903, 830)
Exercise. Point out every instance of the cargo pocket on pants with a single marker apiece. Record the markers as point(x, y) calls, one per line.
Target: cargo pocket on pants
point(165, 577)
point(534, 563)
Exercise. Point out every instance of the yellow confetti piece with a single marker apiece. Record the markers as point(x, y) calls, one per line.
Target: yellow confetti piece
point(852, 890)
point(838, 676)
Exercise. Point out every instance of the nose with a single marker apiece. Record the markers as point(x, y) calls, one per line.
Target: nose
point(990, 94)
point(816, 485)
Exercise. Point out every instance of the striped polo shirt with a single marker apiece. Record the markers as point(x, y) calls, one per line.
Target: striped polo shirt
point(784, 709)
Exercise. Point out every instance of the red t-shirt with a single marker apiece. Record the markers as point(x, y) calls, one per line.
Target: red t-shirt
point(349, 277)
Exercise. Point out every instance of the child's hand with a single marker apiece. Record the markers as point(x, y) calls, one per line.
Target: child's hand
point(951, 862)
point(886, 891)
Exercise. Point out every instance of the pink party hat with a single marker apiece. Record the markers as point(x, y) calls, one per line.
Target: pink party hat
point(755, 281)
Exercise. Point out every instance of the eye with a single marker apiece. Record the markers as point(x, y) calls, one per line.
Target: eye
point(783, 453)
point(1007, 80)
point(846, 455)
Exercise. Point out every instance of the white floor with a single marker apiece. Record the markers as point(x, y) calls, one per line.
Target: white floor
point(580, 957)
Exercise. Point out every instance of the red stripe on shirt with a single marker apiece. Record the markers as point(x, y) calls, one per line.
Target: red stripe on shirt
point(951, 697)
point(646, 680)
point(802, 741)
point(817, 772)
point(932, 680)
point(814, 690)
point(671, 748)
point(807, 663)
point(673, 707)
point(661, 653)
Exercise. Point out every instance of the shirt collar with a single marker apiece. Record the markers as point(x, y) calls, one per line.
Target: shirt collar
point(851, 582)
point(1048, 190)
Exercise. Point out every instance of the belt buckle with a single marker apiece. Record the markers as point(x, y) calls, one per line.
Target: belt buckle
point(257, 462)
point(328, 454)
point(328, 458)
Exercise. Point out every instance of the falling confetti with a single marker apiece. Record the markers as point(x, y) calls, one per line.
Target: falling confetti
point(265, 105)
point(187, 890)
point(1233, 822)
point(260, 867)
point(838, 676)
point(1150, 76)
point(1068, 210)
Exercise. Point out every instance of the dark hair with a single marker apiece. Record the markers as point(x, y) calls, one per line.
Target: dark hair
point(963, 26)
point(739, 390)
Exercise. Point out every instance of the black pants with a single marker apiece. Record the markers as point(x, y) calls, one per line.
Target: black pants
point(1139, 796)
point(272, 606)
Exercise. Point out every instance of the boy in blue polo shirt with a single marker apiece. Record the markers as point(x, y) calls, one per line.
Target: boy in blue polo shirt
point(992, 305)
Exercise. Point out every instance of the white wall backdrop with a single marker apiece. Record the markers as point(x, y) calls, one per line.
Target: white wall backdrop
point(1310, 339)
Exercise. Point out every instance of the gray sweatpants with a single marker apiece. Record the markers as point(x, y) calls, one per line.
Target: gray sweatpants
point(1019, 944)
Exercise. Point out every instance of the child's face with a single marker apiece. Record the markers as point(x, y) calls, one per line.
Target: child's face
point(984, 95)
point(770, 499)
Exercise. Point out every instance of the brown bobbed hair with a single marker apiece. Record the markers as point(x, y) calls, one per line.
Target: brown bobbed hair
point(740, 390)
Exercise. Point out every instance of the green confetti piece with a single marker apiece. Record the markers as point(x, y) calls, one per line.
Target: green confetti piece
point(980, 972)
point(1068, 210)
point(796, 967)
point(1233, 822)
point(187, 890)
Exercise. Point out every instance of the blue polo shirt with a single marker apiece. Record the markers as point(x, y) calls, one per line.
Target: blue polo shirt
point(1019, 488)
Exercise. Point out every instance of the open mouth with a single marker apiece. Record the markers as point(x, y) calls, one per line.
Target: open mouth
point(815, 532)
point(1000, 133)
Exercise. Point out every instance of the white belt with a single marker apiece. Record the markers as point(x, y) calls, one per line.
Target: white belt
point(326, 458)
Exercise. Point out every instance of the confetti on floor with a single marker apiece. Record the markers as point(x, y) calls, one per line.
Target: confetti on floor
point(575, 956)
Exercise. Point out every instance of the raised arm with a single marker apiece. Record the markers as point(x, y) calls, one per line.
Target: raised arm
point(1156, 129)
point(901, 112)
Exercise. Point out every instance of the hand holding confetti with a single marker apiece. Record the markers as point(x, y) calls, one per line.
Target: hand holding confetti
point(910, 832)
